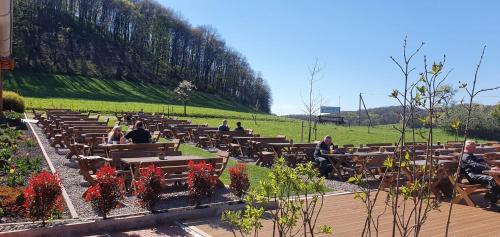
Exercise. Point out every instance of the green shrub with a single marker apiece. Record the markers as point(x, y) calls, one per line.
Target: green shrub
point(13, 101)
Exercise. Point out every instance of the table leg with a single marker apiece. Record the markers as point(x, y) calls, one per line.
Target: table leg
point(336, 168)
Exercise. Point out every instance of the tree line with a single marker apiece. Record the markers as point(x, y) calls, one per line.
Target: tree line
point(137, 40)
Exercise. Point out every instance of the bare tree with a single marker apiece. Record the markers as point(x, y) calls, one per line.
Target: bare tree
point(314, 102)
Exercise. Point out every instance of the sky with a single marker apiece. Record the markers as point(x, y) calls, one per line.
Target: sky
point(353, 42)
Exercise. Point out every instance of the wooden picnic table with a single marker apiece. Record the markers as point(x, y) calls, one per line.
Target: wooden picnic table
point(496, 163)
point(280, 147)
point(153, 159)
point(135, 162)
point(440, 157)
point(493, 173)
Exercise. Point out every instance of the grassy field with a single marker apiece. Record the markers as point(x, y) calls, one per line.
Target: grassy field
point(341, 134)
point(82, 93)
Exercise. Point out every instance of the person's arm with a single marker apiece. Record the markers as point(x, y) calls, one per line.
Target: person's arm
point(129, 135)
point(122, 139)
point(469, 161)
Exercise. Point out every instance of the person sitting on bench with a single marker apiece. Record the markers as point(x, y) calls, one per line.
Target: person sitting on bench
point(139, 134)
point(116, 136)
point(223, 127)
point(473, 167)
point(323, 148)
point(239, 128)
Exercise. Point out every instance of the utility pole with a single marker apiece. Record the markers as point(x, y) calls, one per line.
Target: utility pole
point(367, 114)
point(359, 110)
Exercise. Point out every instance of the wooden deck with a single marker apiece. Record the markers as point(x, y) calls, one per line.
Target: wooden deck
point(347, 216)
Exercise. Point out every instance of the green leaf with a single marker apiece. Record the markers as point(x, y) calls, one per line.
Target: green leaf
point(389, 162)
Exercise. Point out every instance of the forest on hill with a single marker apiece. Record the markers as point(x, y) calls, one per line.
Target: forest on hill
point(133, 40)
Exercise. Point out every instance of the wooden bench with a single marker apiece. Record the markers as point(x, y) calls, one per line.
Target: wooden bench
point(300, 153)
point(265, 154)
point(463, 188)
point(176, 170)
point(157, 147)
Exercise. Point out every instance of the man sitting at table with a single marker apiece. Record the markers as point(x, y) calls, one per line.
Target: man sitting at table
point(223, 127)
point(473, 167)
point(323, 148)
point(139, 134)
point(239, 128)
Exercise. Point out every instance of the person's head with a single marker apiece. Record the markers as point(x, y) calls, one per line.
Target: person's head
point(470, 146)
point(116, 131)
point(139, 124)
point(328, 139)
point(238, 124)
point(224, 122)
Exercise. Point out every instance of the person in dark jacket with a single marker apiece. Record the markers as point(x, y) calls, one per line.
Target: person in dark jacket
point(472, 167)
point(323, 147)
point(139, 134)
point(239, 128)
point(223, 127)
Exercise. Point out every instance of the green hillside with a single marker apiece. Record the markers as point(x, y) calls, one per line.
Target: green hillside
point(78, 92)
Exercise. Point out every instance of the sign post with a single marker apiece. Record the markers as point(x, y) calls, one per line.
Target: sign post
point(329, 109)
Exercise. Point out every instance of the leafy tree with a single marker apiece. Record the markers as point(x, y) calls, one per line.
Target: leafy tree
point(496, 113)
point(183, 92)
point(293, 216)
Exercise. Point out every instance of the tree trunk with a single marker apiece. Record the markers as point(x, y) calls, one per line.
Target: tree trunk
point(185, 108)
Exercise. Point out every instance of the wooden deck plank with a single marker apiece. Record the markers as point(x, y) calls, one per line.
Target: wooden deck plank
point(347, 216)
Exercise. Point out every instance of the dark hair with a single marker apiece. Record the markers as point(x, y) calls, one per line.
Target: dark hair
point(238, 124)
point(139, 124)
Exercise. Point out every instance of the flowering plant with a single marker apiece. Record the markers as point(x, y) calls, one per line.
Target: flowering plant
point(239, 180)
point(11, 200)
point(148, 186)
point(43, 196)
point(106, 192)
point(201, 180)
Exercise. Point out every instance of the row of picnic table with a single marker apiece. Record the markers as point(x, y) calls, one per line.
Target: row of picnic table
point(86, 137)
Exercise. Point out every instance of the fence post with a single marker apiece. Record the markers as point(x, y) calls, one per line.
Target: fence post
point(315, 128)
point(302, 133)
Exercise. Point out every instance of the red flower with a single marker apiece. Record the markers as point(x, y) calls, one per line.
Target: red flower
point(239, 180)
point(201, 180)
point(148, 186)
point(43, 196)
point(107, 190)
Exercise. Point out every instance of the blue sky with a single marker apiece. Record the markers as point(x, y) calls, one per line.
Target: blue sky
point(352, 41)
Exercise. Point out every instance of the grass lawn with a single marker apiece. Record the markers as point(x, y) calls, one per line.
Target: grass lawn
point(341, 134)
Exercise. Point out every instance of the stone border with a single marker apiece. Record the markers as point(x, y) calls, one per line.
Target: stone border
point(69, 204)
point(89, 227)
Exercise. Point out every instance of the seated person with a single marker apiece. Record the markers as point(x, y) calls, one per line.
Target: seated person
point(223, 127)
point(323, 148)
point(473, 166)
point(239, 128)
point(116, 136)
point(139, 134)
